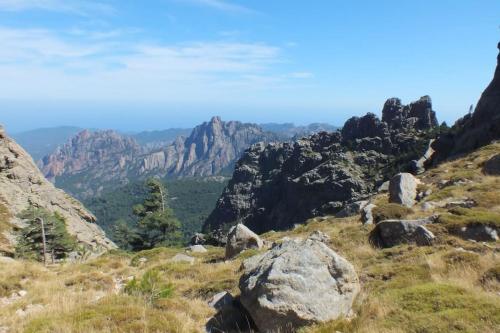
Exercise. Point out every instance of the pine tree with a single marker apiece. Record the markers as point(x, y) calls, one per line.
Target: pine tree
point(157, 224)
point(126, 237)
point(57, 240)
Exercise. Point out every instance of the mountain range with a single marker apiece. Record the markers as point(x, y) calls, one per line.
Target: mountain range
point(92, 162)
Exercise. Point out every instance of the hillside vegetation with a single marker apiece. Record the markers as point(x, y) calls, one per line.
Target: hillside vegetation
point(451, 286)
point(192, 200)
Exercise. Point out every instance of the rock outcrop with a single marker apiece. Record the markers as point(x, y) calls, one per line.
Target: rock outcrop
point(239, 239)
point(476, 129)
point(492, 166)
point(22, 186)
point(278, 185)
point(297, 283)
point(403, 189)
point(390, 233)
point(93, 162)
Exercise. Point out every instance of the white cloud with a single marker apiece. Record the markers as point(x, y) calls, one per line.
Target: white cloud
point(38, 63)
point(83, 8)
point(301, 75)
point(223, 6)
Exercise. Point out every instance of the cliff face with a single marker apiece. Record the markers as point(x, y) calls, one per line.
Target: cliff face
point(212, 147)
point(96, 161)
point(275, 186)
point(477, 129)
point(22, 185)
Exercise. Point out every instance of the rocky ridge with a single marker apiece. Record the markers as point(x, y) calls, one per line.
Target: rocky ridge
point(22, 185)
point(277, 185)
point(96, 161)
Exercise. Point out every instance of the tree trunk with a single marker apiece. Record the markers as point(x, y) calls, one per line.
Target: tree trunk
point(44, 242)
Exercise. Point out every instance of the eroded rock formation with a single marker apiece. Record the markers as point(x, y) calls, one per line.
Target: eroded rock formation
point(22, 186)
point(277, 185)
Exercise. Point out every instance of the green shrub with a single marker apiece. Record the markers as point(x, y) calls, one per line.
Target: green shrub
point(390, 211)
point(150, 287)
point(30, 241)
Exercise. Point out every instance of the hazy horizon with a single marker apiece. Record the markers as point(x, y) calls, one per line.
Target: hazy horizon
point(175, 63)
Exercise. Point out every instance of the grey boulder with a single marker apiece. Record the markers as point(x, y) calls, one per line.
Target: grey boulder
point(352, 209)
point(367, 214)
point(239, 239)
point(390, 233)
point(297, 283)
point(403, 189)
point(492, 166)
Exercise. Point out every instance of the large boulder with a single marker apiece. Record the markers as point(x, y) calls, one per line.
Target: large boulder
point(479, 232)
point(492, 166)
point(403, 189)
point(297, 283)
point(390, 233)
point(239, 239)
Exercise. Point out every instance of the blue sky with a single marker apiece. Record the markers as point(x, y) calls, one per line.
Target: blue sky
point(154, 64)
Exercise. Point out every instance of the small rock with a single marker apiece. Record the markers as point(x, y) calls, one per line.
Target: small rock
point(423, 236)
point(6, 260)
point(427, 206)
point(479, 233)
point(197, 249)
point(492, 166)
point(320, 236)
point(352, 209)
point(453, 182)
point(384, 187)
point(403, 189)
point(367, 214)
point(198, 239)
point(241, 238)
point(466, 203)
point(181, 257)
point(390, 233)
point(142, 260)
point(220, 300)
point(22, 293)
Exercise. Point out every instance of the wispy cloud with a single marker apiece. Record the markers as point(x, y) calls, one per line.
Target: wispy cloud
point(43, 63)
point(301, 75)
point(223, 6)
point(83, 8)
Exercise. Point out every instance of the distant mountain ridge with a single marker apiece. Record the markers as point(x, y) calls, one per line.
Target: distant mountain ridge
point(94, 161)
point(43, 141)
point(291, 131)
point(160, 138)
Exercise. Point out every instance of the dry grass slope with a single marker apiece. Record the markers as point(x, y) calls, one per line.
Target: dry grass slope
point(449, 287)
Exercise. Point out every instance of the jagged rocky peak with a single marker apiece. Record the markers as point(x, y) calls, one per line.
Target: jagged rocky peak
point(88, 149)
point(22, 186)
point(477, 129)
point(275, 186)
point(418, 115)
point(368, 126)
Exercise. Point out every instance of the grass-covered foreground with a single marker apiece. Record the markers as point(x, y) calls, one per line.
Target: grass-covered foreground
point(452, 286)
